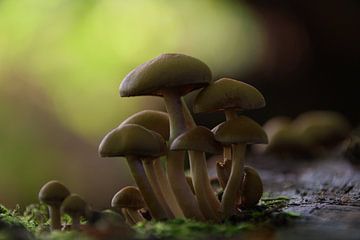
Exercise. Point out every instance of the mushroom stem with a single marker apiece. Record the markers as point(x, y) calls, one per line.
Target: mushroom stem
point(230, 114)
point(181, 188)
point(175, 167)
point(227, 153)
point(155, 184)
point(166, 189)
point(135, 215)
point(230, 195)
point(55, 217)
point(223, 170)
point(75, 225)
point(128, 219)
point(138, 172)
point(208, 201)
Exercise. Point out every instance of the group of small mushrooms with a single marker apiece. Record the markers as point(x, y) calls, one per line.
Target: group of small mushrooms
point(154, 143)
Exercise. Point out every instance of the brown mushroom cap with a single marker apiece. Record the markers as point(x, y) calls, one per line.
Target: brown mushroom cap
point(74, 205)
point(323, 127)
point(252, 188)
point(166, 71)
point(153, 120)
point(132, 140)
point(197, 139)
point(128, 197)
point(240, 130)
point(53, 193)
point(227, 93)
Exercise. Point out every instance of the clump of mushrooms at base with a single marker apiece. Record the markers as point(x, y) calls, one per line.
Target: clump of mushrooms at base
point(148, 137)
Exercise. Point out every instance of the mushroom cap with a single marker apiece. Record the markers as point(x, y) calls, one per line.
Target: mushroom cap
point(74, 205)
point(53, 193)
point(324, 128)
point(289, 141)
point(227, 93)
point(197, 139)
point(240, 130)
point(253, 188)
point(153, 120)
point(128, 197)
point(179, 71)
point(132, 140)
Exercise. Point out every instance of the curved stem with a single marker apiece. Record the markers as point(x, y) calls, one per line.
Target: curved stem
point(223, 170)
point(138, 172)
point(228, 202)
point(54, 213)
point(135, 215)
point(166, 189)
point(128, 219)
point(155, 184)
point(208, 201)
point(181, 188)
point(175, 167)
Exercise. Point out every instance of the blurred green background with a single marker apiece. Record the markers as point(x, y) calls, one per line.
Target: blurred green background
point(61, 62)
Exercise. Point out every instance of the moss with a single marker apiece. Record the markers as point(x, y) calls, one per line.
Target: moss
point(269, 214)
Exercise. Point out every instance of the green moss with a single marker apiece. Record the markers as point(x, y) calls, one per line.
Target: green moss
point(269, 213)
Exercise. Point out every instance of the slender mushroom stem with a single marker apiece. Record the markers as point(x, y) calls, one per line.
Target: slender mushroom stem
point(55, 217)
point(227, 153)
point(75, 225)
point(166, 189)
point(230, 114)
point(223, 170)
point(175, 166)
point(230, 195)
point(135, 215)
point(128, 219)
point(155, 184)
point(208, 201)
point(153, 203)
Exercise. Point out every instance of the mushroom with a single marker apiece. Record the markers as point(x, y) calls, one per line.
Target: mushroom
point(252, 188)
point(158, 122)
point(76, 208)
point(129, 201)
point(237, 132)
point(271, 127)
point(53, 194)
point(197, 141)
point(135, 143)
point(172, 76)
point(324, 129)
point(223, 170)
point(191, 185)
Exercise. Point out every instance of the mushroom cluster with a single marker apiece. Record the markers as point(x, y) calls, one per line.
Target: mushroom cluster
point(61, 201)
point(154, 143)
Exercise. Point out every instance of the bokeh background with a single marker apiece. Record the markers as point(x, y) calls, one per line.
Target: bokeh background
point(61, 62)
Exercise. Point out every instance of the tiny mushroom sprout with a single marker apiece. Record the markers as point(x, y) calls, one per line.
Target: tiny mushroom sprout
point(129, 201)
point(158, 122)
point(75, 207)
point(252, 188)
point(199, 140)
point(172, 76)
point(53, 194)
point(238, 132)
point(136, 143)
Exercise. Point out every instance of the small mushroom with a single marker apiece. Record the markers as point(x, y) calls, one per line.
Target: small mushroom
point(172, 76)
point(237, 132)
point(158, 122)
point(129, 201)
point(197, 141)
point(135, 143)
point(53, 194)
point(76, 208)
point(252, 189)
